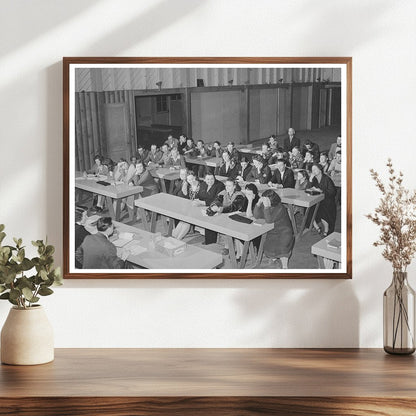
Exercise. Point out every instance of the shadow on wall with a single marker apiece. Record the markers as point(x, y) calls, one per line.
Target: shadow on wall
point(339, 17)
point(140, 27)
point(301, 314)
point(44, 17)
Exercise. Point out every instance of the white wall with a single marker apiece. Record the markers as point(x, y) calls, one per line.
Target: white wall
point(380, 35)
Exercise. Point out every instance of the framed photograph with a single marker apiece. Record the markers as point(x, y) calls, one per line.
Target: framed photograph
point(207, 168)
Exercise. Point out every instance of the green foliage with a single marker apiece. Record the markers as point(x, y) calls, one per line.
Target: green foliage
point(15, 285)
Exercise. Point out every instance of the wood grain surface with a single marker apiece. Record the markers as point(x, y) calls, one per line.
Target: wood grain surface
point(212, 381)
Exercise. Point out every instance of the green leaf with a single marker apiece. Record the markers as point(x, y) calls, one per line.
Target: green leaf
point(26, 264)
point(21, 255)
point(1, 227)
point(2, 236)
point(18, 242)
point(37, 243)
point(27, 293)
point(43, 275)
point(49, 250)
point(5, 295)
point(45, 291)
point(2, 288)
point(15, 294)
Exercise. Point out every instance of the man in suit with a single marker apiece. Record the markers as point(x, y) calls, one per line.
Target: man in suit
point(290, 141)
point(283, 176)
point(97, 251)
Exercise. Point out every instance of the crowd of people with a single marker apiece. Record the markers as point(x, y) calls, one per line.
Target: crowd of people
point(295, 165)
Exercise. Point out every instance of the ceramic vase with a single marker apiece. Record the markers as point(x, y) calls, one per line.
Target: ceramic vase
point(27, 337)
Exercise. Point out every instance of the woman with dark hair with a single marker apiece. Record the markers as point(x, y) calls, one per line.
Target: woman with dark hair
point(327, 211)
point(243, 169)
point(279, 241)
point(260, 172)
point(190, 191)
point(302, 180)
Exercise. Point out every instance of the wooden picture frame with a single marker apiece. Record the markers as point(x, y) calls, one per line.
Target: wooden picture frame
point(243, 97)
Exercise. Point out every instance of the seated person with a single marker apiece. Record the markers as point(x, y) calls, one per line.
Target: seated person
point(296, 158)
point(334, 149)
point(266, 154)
point(171, 142)
point(165, 155)
point(190, 190)
point(121, 170)
point(210, 188)
point(283, 176)
point(208, 193)
point(231, 199)
point(97, 252)
point(260, 172)
point(141, 154)
point(324, 162)
point(175, 161)
point(312, 148)
point(98, 168)
point(302, 180)
point(182, 143)
point(279, 241)
point(132, 168)
point(273, 145)
point(279, 154)
point(334, 172)
point(232, 151)
point(189, 149)
point(308, 162)
point(154, 156)
point(180, 183)
point(201, 151)
point(229, 167)
point(290, 141)
point(327, 210)
point(216, 150)
point(142, 177)
point(80, 231)
point(243, 169)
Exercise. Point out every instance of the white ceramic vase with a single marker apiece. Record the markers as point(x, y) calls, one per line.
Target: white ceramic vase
point(27, 337)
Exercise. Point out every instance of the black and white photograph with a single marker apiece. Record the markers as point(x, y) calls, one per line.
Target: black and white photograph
point(213, 169)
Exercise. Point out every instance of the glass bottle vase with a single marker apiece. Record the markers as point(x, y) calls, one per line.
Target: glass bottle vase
point(399, 316)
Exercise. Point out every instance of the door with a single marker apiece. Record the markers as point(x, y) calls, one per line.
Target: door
point(116, 131)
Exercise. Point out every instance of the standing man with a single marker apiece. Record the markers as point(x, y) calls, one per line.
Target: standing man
point(290, 141)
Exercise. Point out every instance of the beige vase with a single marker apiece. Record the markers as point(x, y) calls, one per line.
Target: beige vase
point(27, 337)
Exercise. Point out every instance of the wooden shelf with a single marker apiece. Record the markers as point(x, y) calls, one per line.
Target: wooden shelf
point(212, 382)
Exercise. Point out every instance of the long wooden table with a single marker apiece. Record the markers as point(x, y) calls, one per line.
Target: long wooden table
point(185, 210)
point(165, 174)
point(323, 251)
point(292, 197)
point(113, 192)
point(192, 258)
point(213, 162)
point(205, 382)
